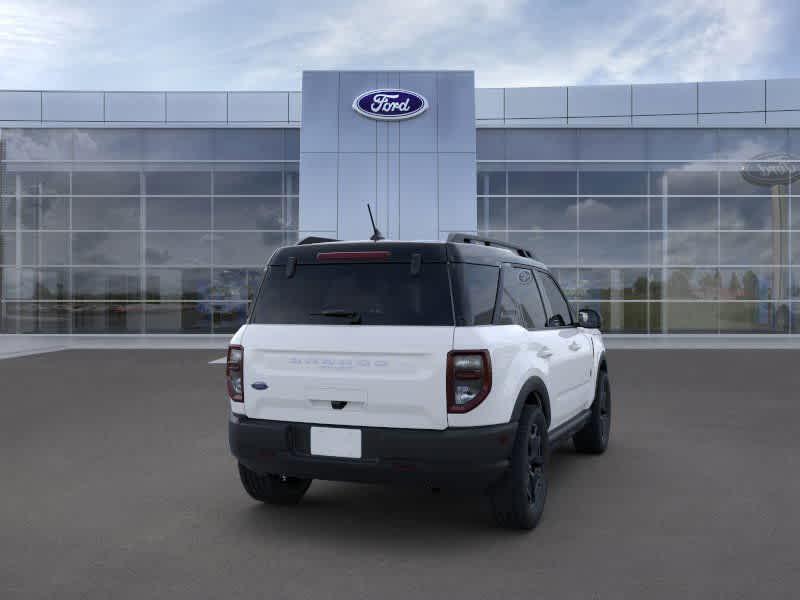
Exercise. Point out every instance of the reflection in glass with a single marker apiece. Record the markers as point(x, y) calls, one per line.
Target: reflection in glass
point(794, 289)
point(692, 248)
point(178, 284)
point(259, 183)
point(619, 317)
point(689, 317)
point(38, 317)
point(490, 144)
point(38, 144)
point(678, 182)
point(745, 144)
point(691, 213)
point(796, 208)
point(754, 317)
point(236, 284)
point(35, 183)
point(183, 183)
point(612, 213)
point(249, 144)
point(178, 248)
point(491, 181)
point(107, 317)
point(8, 212)
point(755, 283)
point(98, 283)
point(613, 183)
point(229, 316)
point(247, 248)
point(178, 213)
point(542, 213)
point(754, 212)
point(553, 249)
point(249, 213)
point(178, 144)
point(8, 248)
point(528, 182)
point(691, 284)
point(616, 248)
point(45, 248)
point(34, 284)
point(99, 183)
point(612, 144)
point(45, 213)
point(681, 144)
point(108, 144)
point(105, 213)
point(105, 248)
point(613, 284)
point(539, 144)
point(178, 317)
point(492, 213)
point(754, 248)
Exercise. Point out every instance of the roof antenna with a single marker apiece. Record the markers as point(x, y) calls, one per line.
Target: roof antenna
point(377, 235)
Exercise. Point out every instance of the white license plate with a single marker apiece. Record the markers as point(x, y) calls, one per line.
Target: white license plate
point(335, 441)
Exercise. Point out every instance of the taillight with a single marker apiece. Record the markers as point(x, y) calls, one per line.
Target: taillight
point(234, 373)
point(469, 379)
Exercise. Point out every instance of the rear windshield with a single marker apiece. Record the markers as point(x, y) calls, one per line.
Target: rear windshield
point(355, 294)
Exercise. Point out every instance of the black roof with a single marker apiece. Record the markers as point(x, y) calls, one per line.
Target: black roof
point(430, 251)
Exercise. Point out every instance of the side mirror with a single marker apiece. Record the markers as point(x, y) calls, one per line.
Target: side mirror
point(589, 318)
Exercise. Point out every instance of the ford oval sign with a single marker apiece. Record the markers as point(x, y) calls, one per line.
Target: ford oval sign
point(772, 168)
point(390, 105)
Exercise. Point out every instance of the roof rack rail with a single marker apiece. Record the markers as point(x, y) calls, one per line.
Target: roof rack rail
point(313, 239)
point(468, 238)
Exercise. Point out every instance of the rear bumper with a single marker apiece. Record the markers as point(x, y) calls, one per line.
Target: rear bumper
point(461, 457)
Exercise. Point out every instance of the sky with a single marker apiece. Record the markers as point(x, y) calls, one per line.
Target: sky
point(265, 45)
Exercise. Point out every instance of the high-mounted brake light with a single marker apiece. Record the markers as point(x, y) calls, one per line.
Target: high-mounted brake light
point(366, 255)
point(469, 379)
point(234, 373)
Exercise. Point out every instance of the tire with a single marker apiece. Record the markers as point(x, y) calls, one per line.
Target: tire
point(273, 489)
point(593, 438)
point(518, 502)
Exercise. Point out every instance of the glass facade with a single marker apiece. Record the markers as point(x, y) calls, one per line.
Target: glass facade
point(140, 230)
point(660, 230)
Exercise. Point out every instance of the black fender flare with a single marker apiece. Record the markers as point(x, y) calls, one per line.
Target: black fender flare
point(602, 363)
point(537, 386)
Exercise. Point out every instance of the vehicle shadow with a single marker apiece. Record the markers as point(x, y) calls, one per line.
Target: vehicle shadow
point(355, 514)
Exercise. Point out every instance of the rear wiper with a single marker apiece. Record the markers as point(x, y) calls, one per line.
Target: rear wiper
point(355, 318)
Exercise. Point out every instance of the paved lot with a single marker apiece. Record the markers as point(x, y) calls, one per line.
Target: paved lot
point(115, 482)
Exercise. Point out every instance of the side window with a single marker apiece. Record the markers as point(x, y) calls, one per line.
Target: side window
point(521, 303)
point(559, 313)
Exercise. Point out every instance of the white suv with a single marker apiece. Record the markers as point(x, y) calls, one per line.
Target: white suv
point(443, 363)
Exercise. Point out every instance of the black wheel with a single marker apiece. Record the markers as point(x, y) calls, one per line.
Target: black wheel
point(593, 438)
point(273, 489)
point(518, 502)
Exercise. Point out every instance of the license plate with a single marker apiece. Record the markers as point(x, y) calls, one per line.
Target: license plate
point(335, 441)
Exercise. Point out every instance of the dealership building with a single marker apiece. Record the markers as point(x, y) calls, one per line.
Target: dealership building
point(671, 209)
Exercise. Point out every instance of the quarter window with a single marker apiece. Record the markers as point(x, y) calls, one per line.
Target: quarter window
point(521, 303)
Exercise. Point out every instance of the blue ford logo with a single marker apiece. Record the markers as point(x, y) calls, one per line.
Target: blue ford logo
point(390, 105)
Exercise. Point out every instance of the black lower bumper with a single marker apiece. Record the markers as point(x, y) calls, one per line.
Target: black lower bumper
point(462, 457)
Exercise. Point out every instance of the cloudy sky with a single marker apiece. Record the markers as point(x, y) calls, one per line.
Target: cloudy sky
point(248, 45)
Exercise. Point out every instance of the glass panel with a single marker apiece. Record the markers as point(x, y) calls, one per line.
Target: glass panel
point(35, 284)
point(629, 183)
point(248, 144)
point(613, 248)
point(45, 248)
point(45, 213)
point(491, 180)
point(492, 213)
point(8, 212)
point(796, 317)
point(734, 183)
point(44, 183)
point(229, 316)
point(108, 144)
point(612, 144)
point(291, 179)
point(541, 144)
point(106, 284)
point(568, 280)
point(612, 284)
point(105, 248)
point(542, 213)
point(689, 248)
point(681, 144)
point(236, 284)
point(178, 248)
point(178, 317)
point(490, 144)
point(8, 248)
point(794, 290)
point(291, 144)
point(244, 248)
point(107, 317)
point(553, 249)
point(676, 181)
point(35, 317)
point(748, 143)
point(691, 284)
point(184, 183)
point(753, 248)
point(105, 213)
point(754, 212)
point(796, 210)
point(99, 183)
point(249, 213)
point(754, 283)
point(753, 317)
point(689, 317)
point(178, 213)
point(522, 182)
point(628, 317)
point(178, 284)
point(691, 213)
point(248, 182)
point(38, 144)
point(612, 213)
point(178, 144)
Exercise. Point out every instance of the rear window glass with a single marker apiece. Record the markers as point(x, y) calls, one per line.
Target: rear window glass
point(355, 294)
point(475, 291)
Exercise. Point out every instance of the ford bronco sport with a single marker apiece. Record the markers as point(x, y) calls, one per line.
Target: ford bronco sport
point(455, 363)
